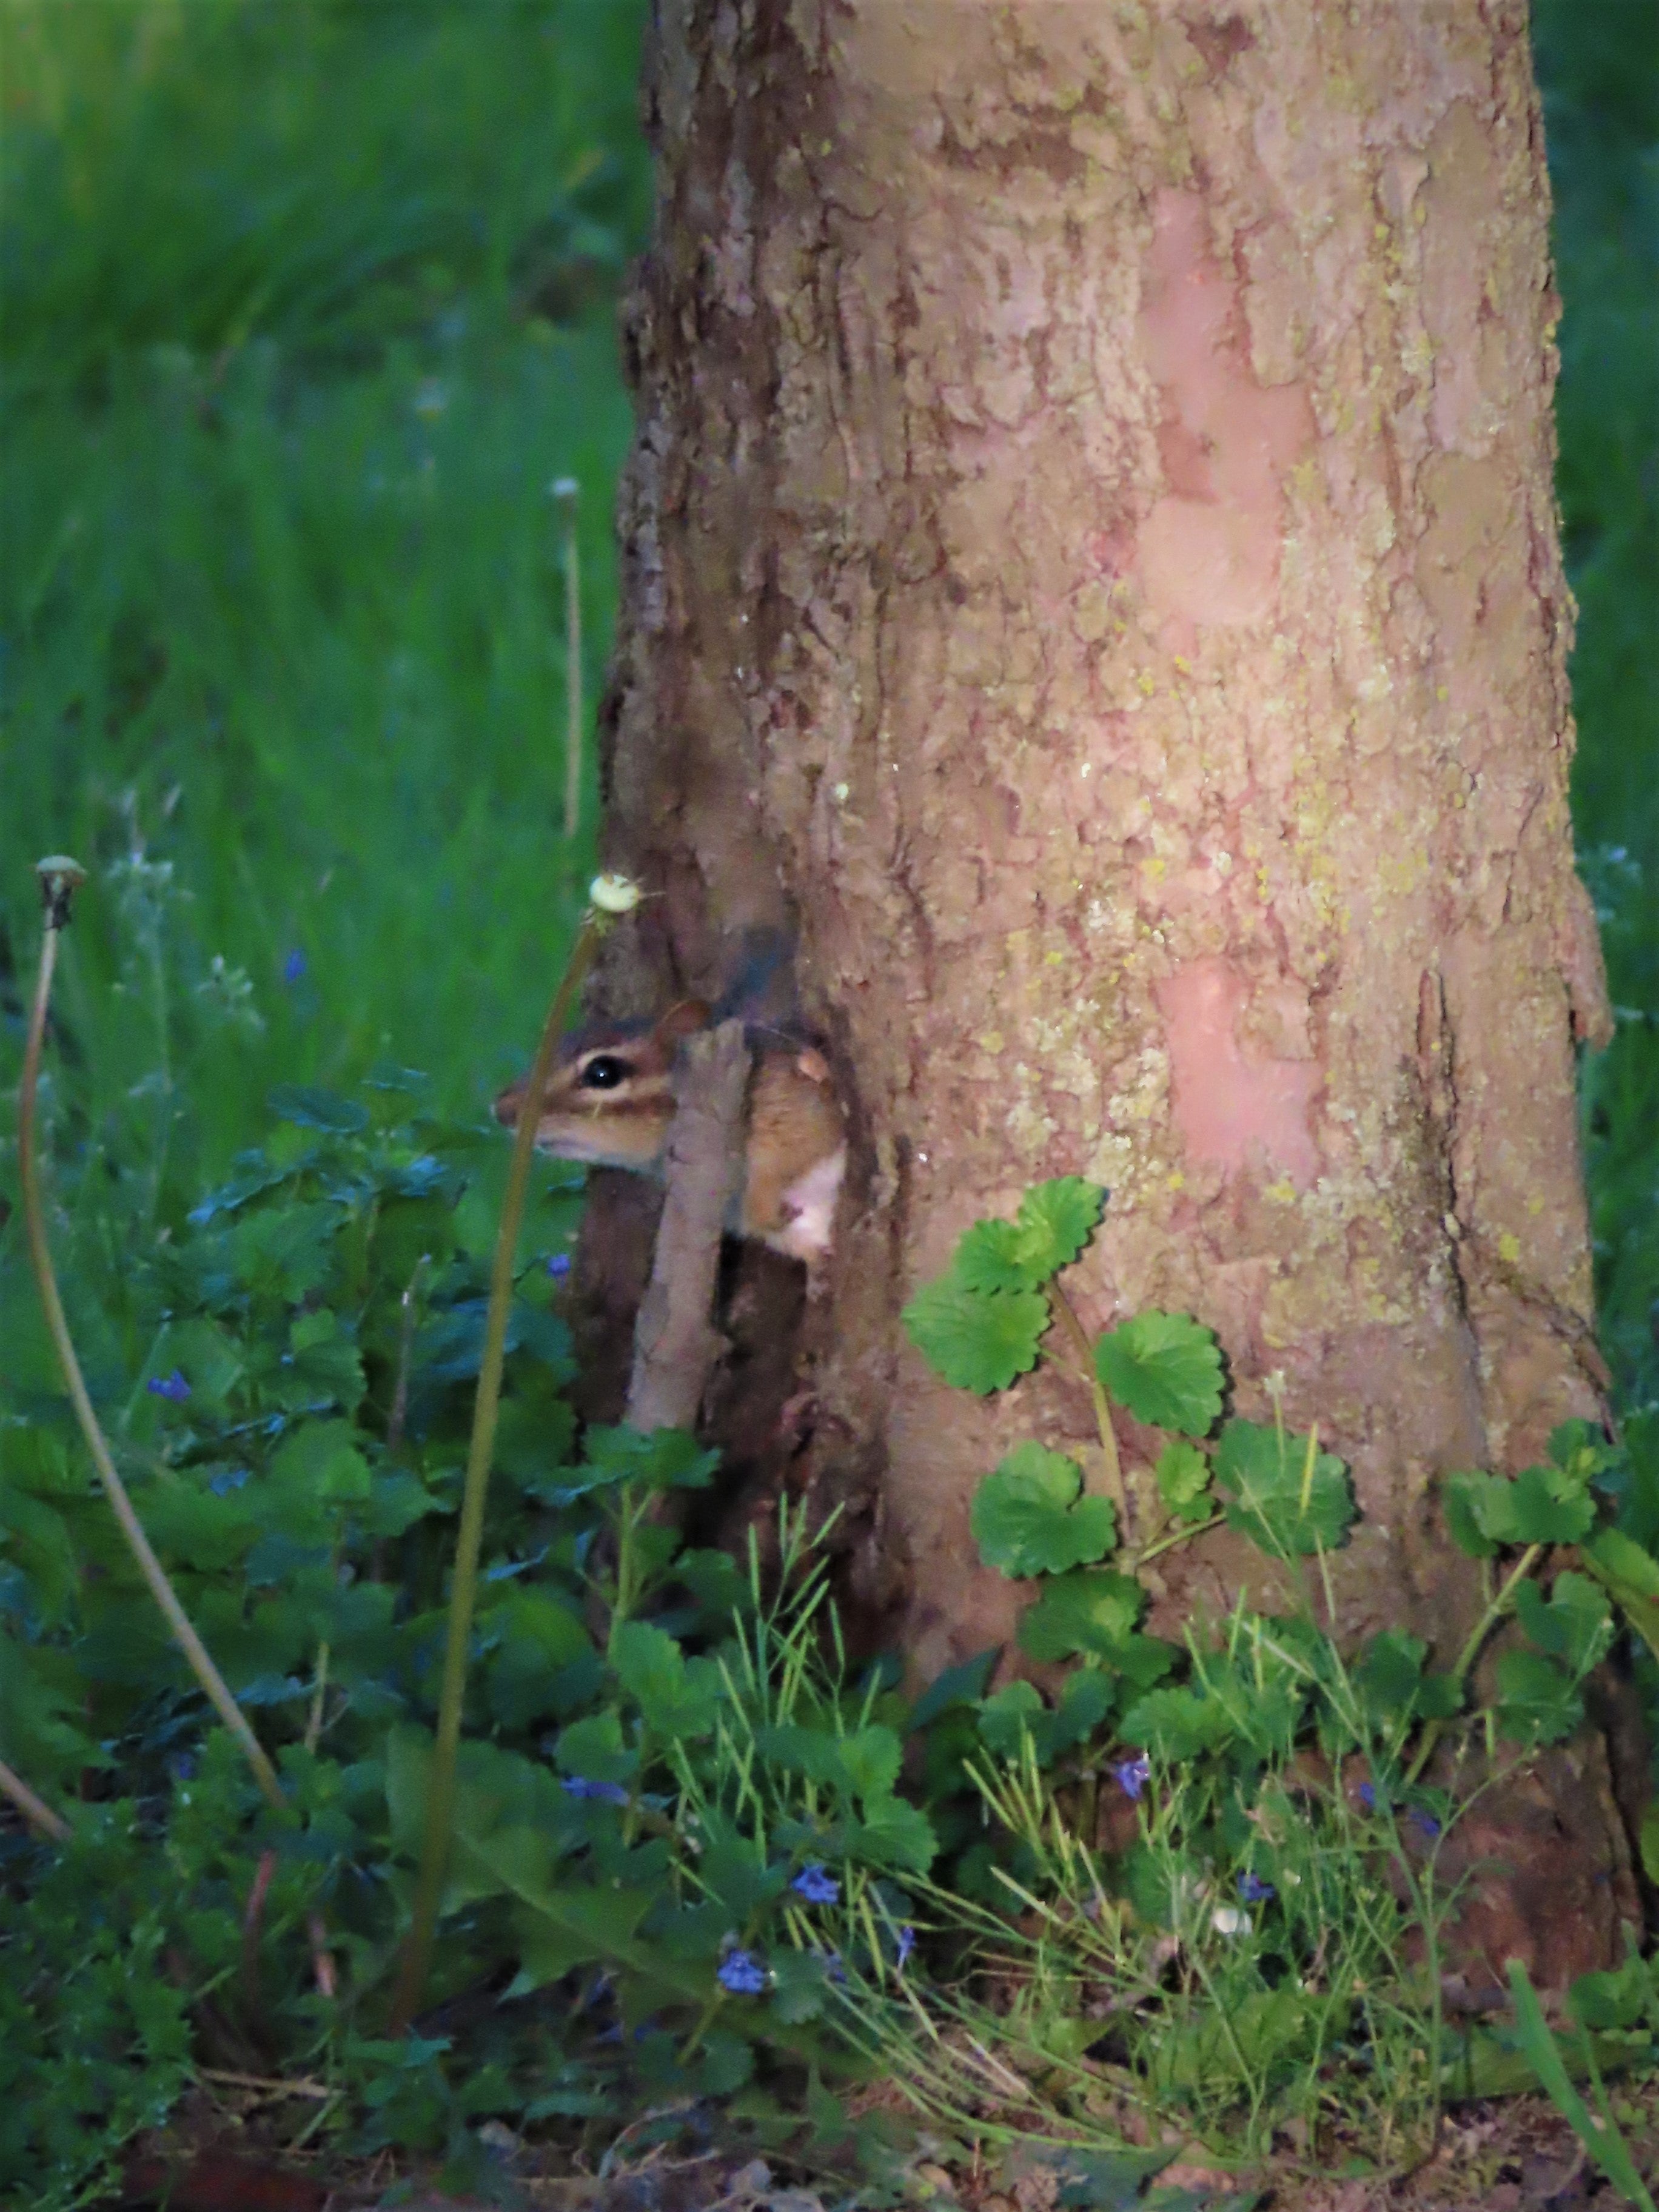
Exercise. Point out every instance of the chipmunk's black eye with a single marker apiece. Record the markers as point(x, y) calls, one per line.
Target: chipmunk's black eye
point(604, 1072)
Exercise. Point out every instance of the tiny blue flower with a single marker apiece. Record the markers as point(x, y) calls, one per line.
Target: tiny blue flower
point(293, 967)
point(1367, 1794)
point(1426, 1824)
point(172, 1386)
point(1253, 1890)
point(833, 1970)
point(907, 1943)
point(742, 1973)
point(606, 1793)
point(558, 1264)
point(816, 1886)
point(1133, 1774)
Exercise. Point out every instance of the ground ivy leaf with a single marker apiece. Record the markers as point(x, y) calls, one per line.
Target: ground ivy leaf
point(991, 1256)
point(977, 1339)
point(1057, 1220)
point(1537, 1703)
point(311, 1109)
point(1182, 1476)
point(1273, 1498)
point(1545, 1511)
point(1029, 1517)
point(1166, 1369)
point(1089, 1611)
point(1573, 1623)
point(1462, 1501)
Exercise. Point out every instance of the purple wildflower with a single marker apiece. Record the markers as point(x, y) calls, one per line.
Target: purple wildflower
point(1133, 1774)
point(1426, 1824)
point(907, 1943)
point(606, 1793)
point(293, 967)
point(742, 1973)
point(172, 1386)
point(558, 1264)
point(833, 1969)
point(1367, 1796)
point(1253, 1890)
point(816, 1886)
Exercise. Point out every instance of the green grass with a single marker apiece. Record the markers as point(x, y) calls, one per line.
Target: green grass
point(1599, 68)
point(304, 307)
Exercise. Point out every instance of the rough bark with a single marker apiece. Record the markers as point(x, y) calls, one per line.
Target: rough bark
point(1091, 564)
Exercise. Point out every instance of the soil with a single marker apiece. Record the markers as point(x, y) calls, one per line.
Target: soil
point(225, 2154)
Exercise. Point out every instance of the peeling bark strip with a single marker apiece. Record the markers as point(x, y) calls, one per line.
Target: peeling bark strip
point(1092, 551)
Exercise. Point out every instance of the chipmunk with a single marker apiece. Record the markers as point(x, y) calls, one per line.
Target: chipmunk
point(610, 1102)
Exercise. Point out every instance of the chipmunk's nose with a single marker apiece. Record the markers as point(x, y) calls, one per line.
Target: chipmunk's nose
point(508, 1102)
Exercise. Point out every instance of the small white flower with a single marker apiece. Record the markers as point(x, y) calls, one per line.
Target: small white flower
point(614, 894)
point(1228, 1920)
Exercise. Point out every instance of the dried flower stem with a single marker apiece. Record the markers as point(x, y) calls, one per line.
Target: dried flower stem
point(58, 881)
point(566, 492)
point(36, 1810)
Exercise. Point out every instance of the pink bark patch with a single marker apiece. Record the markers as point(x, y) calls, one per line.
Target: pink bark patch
point(1209, 551)
point(1233, 1106)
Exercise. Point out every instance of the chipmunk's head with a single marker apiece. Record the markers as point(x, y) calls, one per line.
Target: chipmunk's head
point(609, 1100)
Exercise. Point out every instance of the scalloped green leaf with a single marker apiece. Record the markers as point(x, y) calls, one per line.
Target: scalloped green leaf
point(978, 1340)
point(1090, 1610)
point(1057, 1220)
point(1540, 1505)
point(677, 1696)
point(312, 1109)
point(1029, 1517)
point(1182, 1476)
point(1536, 1702)
point(1176, 1725)
point(1574, 1624)
point(1166, 1369)
point(1274, 1497)
point(1463, 1502)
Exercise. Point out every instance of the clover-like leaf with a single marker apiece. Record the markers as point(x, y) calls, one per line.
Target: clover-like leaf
point(1030, 1518)
point(1092, 1610)
point(978, 1340)
point(1182, 1476)
point(1166, 1369)
point(1281, 1496)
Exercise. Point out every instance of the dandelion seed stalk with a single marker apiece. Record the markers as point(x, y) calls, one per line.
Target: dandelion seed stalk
point(440, 1787)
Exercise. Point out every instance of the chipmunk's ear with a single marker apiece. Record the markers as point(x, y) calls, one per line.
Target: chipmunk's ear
point(684, 1020)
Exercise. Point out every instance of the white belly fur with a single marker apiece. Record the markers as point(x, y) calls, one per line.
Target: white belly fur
point(810, 1207)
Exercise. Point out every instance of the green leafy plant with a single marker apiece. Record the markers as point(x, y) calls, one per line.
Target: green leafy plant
point(1270, 1927)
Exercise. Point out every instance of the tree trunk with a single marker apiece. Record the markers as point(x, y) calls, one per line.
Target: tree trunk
point(1092, 568)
